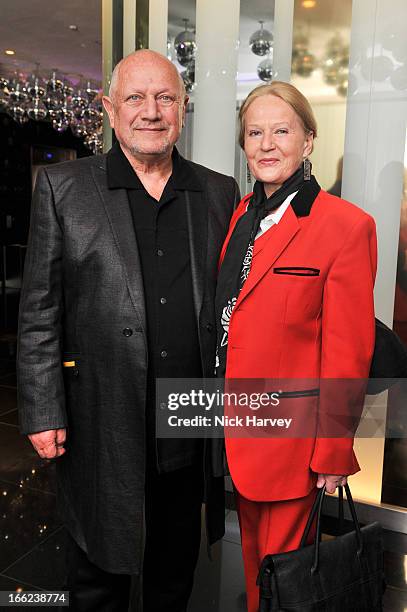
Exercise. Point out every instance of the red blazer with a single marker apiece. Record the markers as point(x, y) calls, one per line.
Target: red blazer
point(316, 325)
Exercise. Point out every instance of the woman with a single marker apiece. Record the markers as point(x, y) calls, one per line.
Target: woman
point(294, 301)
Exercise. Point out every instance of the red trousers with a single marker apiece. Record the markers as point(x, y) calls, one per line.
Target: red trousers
point(268, 528)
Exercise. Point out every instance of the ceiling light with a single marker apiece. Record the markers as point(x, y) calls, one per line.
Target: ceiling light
point(308, 3)
point(9, 52)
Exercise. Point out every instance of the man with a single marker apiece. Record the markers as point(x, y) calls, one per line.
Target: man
point(118, 291)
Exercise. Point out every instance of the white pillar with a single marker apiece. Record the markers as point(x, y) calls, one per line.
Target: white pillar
point(375, 141)
point(129, 26)
point(375, 137)
point(158, 26)
point(283, 39)
point(107, 64)
point(217, 35)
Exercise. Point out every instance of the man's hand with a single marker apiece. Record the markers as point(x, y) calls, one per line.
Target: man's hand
point(331, 481)
point(49, 444)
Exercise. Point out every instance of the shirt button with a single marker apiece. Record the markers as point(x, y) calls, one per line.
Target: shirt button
point(127, 332)
point(160, 253)
point(163, 300)
point(163, 354)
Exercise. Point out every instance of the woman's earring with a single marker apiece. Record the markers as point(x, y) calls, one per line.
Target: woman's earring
point(248, 175)
point(307, 169)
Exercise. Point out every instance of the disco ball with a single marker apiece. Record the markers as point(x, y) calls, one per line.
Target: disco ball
point(17, 92)
point(303, 64)
point(91, 91)
point(35, 87)
point(79, 129)
point(335, 65)
point(185, 46)
point(60, 124)
point(66, 111)
point(53, 83)
point(67, 89)
point(36, 110)
point(53, 101)
point(4, 100)
point(265, 70)
point(188, 81)
point(4, 83)
point(78, 103)
point(399, 78)
point(18, 113)
point(261, 42)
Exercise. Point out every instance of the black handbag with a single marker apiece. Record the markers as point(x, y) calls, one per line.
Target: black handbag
point(389, 362)
point(342, 574)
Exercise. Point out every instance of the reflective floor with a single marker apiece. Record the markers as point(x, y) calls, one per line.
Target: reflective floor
point(32, 537)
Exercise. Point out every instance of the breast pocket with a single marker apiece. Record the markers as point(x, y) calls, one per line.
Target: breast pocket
point(303, 287)
point(297, 271)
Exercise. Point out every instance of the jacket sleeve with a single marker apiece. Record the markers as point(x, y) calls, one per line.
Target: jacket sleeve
point(41, 397)
point(348, 335)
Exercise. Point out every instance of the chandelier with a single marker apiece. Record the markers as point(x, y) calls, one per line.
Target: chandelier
point(54, 98)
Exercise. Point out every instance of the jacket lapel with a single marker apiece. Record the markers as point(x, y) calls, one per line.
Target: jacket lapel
point(116, 204)
point(197, 221)
point(271, 249)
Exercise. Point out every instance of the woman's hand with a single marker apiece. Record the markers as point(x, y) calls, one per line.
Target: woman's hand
point(331, 481)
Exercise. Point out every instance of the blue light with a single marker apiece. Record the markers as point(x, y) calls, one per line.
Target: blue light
point(49, 155)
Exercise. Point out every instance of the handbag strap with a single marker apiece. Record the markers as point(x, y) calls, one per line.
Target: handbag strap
point(315, 506)
point(317, 510)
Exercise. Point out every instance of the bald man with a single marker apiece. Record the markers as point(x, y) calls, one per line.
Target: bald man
point(118, 291)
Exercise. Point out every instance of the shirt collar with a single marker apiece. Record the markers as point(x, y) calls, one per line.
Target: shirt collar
point(120, 174)
point(275, 216)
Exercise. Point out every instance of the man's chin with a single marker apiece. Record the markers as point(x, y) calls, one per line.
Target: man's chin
point(150, 148)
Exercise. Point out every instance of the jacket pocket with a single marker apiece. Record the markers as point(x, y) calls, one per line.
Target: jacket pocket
point(297, 271)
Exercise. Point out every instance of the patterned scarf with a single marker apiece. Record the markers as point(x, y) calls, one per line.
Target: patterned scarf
point(237, 262)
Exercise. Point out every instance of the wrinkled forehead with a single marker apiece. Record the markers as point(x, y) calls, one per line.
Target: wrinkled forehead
point(271, 108)
point(147, 77)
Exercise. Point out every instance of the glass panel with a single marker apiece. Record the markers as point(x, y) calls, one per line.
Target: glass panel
point(319, 69)
point(320, 66)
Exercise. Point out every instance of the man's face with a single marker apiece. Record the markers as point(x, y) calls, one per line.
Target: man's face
point(147, 109)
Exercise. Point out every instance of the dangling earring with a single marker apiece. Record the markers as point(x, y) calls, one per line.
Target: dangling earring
point(307, 169)
point(248, 175)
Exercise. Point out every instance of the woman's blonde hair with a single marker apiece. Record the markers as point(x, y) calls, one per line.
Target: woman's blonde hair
point(289, 94)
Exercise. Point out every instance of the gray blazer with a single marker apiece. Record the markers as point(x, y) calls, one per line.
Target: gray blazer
point(82, 287)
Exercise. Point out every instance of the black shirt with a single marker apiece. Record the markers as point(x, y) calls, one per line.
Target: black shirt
point(163, 243)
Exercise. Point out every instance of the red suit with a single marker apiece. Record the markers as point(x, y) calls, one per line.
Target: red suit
point(305, 311)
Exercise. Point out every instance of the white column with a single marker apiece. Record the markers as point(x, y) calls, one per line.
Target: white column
point(375, 137)
point(107, 68)
point(375, 141)
point(129, 26)
point(158, 26)
point(283, 39)
point(217, 34)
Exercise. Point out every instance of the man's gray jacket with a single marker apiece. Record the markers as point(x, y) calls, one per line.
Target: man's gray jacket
point(82, 293)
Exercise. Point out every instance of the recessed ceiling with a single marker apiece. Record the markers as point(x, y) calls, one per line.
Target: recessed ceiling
point(39, 31)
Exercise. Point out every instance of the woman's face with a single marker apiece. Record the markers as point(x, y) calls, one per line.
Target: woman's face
point(275, 141)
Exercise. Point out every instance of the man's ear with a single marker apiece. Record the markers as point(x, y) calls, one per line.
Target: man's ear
point(184, 109)
point(109, 108)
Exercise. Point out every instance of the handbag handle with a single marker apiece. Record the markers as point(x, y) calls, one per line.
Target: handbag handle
point(317, 510)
